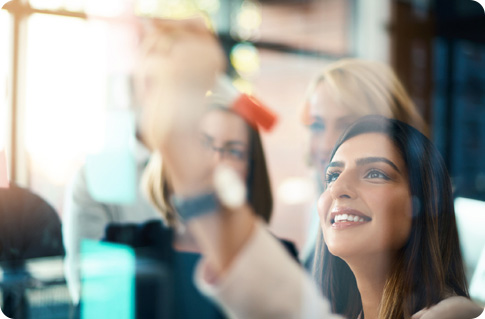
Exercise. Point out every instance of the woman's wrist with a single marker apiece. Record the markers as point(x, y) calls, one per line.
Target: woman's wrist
point(221, 236)
point(195, 206)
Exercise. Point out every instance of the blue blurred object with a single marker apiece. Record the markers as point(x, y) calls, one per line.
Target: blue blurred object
point(111, 172)
point(111, 176)
point(108, 280)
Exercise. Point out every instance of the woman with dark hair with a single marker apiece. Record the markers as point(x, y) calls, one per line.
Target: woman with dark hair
point(391, 243)
point(386, 215)
point(389, 193)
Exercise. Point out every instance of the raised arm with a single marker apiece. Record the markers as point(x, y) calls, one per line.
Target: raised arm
point(244, 268)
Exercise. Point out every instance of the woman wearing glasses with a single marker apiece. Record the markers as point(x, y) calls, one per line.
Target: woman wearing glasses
point(387, 217)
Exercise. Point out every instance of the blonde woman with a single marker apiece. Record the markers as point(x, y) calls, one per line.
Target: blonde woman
point(347, 90)
point(340, 94)
point(244, 268)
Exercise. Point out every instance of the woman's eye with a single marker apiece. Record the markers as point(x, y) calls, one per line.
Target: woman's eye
point(316, 127)
point(236, 154)
point(376, 174)
point(332, 177)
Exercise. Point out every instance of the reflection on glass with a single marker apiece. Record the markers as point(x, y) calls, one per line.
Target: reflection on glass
point(65, 98)
point(210, 6)
point(4, 59)
point(47, 4)
point(176, 9)
point(106, 8)
point(146, 7)
point(4, 63)
point(74, 5)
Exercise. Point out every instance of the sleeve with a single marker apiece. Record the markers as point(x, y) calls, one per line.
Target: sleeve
point(83, 218)
point(264, 282)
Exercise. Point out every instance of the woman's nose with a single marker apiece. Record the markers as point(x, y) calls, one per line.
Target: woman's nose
point(343, 187)
point(218, 154)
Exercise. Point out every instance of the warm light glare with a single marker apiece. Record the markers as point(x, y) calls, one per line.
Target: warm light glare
point(65, 91)
point(74, 5)
point(4, 46)
point(295, 190)
point(209, 6)
point(47, 4)
point(243, 85)
point(3, 124)
point(248, 19)
point(178, 9)
point(245, 59)
point(146, 7)
point(106, 8)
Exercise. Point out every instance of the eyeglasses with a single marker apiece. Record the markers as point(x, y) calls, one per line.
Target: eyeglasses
point(232, 150)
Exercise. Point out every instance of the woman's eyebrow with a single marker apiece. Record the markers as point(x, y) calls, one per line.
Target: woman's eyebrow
point(335, 164)
point(368, 160)
point(347, 119)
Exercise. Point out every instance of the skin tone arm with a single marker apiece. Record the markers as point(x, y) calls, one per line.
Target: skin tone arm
point(451, 308)
point(190, 56)
point(192, 53)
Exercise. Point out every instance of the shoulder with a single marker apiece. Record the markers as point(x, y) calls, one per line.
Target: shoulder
point(455, 307)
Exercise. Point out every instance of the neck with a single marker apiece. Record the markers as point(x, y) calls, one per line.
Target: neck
point(371, 274)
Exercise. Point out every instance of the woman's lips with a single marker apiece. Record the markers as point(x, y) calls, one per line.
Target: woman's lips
point(344, 217)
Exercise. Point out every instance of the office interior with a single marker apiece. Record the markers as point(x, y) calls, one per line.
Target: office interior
point(65, 69)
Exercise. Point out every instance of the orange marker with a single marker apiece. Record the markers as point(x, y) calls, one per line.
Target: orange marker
point(254, 112)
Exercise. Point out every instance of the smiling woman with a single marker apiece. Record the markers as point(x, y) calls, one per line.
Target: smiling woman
point(391, 242)
point(367, 185)
point(403, 254)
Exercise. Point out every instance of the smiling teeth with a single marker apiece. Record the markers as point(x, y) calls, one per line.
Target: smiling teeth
point(348, 218)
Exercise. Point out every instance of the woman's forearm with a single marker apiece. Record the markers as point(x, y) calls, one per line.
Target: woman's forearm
point(221, 235)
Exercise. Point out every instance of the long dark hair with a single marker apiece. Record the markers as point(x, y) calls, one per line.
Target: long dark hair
point(429, 267)
point(258, 182)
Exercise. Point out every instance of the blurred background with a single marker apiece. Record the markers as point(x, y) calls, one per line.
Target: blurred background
point(65, 63)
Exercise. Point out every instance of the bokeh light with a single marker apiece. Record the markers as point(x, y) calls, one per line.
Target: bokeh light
point(248, 20)
point(245, 59)
point(296, 190)
point(243, 85)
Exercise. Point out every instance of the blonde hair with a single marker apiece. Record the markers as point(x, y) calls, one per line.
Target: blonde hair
point(367, 87)
point(157, 189)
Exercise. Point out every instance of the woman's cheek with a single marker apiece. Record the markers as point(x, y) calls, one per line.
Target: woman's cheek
point(323, 206)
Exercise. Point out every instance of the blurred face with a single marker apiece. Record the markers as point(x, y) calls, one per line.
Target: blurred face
point(328, 119)
point(366, 209)
point(225, 138)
